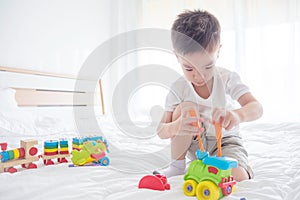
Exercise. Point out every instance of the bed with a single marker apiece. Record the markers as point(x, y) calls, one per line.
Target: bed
point(274, 154)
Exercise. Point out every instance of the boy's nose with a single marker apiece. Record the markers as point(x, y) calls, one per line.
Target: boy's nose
point(198, 76)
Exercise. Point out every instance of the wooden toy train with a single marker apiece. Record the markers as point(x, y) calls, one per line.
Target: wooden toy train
point(85, 150)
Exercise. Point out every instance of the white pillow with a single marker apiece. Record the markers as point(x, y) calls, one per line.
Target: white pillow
point(7, 99)
point(31, 122)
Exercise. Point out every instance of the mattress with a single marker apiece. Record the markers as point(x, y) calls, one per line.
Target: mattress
point(274, 154)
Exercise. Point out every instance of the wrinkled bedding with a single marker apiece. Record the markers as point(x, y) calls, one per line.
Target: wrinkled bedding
point(274, 153)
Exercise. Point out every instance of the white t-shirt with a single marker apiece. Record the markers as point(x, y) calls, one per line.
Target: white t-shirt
point(227, 88)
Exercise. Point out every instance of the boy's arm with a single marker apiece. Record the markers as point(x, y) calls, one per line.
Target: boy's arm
point(251, 109)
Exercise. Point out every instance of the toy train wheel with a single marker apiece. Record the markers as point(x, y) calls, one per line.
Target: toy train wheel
point(228, 190)
point(104, 161)
point(189, 187)
point(207, 190)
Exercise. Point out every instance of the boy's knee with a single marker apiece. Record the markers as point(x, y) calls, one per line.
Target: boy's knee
point(188, 104)
point(183, 106)
point(240, 174)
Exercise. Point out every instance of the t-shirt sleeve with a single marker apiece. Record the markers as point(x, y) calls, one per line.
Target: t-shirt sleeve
point(234, 87)
point(173, 99)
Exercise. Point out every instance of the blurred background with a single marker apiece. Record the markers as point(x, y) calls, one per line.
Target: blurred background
point(261, 41)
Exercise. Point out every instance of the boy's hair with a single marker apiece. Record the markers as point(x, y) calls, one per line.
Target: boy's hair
point(195, 31)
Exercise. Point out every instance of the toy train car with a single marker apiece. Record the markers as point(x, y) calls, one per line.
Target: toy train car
point(54, 149)
point(24, 156)
point(90, 150)
point(209, 177)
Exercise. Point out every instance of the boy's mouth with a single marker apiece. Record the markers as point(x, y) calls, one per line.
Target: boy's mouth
point(199, 83)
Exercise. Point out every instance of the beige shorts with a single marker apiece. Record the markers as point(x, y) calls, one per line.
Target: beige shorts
point(232, 146)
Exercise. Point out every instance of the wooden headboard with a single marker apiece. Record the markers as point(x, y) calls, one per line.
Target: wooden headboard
point(47, 89)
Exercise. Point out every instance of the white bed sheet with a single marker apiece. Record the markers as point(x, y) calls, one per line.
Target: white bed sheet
point(274, 154)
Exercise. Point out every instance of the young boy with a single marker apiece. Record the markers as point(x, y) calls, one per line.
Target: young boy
point(208, 90)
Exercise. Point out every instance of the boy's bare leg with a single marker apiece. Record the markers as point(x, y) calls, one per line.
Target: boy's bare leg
point(179, 144)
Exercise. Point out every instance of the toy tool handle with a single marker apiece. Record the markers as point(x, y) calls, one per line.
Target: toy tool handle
point(197, 124)
point(218, 128)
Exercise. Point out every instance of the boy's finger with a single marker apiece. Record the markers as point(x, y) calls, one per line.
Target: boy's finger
point(217, 114)
point(226, 123)
point(201, 119)
point(229, 127)
point(185, 113)
point(218, 117)
point(220, 120)
point(192, 129)
point(189, 120)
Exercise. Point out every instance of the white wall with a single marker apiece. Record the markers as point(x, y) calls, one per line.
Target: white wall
point(51, 35)
point(58, 35)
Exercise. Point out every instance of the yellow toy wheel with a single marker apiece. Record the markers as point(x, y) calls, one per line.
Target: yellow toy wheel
point(233, 188)
point(189, 187)
point(207, 190)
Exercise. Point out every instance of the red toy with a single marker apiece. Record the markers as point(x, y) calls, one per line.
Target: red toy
point(154, 182)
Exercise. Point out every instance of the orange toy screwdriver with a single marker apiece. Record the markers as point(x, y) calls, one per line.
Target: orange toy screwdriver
point(197, 124)
point(218, 128)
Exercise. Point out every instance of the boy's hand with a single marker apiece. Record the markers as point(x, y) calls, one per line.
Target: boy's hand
point(229, 117)
point(187, 124)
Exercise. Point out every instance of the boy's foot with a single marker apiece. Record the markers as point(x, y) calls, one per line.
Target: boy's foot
point(177, 167)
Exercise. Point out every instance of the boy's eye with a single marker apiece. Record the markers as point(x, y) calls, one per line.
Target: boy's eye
point(188, 69)
point(209, 67)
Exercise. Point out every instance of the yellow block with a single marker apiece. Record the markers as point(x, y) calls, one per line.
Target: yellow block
point(16, 153)
point(50, 150)
point(64, 149)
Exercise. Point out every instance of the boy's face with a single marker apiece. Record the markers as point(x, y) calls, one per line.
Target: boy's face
point(198, 67)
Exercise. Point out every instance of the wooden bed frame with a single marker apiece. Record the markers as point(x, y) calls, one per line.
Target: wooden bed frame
point(50, 97)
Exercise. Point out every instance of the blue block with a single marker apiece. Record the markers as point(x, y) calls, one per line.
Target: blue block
point(201, 154)
point(222, 163)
